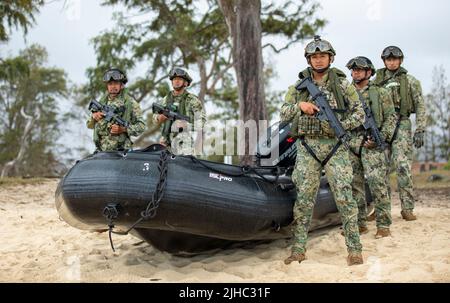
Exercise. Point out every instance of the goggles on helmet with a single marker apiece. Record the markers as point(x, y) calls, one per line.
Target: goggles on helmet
point(113, 75)
point(391, 51)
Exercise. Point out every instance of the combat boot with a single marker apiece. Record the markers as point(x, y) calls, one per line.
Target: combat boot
point(408, 215)
point(371, 217)
point(362, 230)
point(295, 257)
point(382, 232)
point(354, 258)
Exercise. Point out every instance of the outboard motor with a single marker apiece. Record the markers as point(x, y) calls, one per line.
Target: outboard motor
point(277, 148)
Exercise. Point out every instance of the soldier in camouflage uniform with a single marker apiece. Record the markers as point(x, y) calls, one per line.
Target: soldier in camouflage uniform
point(407, 96)
point(366, 158)
point(300, 109)
point(178, 135)
point(107, 135)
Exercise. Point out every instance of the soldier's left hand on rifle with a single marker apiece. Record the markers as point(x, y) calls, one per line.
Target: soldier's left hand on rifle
point(162, 118)
point(369, 143)
point(98, 116)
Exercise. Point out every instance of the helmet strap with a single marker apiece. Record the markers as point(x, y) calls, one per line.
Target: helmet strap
point(180, 89)
point(320, 70)
point(363, 79)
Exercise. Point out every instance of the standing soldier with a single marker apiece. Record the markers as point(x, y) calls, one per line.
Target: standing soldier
point(182, 102)
point(367, 158)
point(406, 93)
point(317, 143)
point(109, 136)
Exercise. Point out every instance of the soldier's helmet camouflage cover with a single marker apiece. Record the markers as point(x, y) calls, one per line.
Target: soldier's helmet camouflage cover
point(392, 51)
point(361, 62)
point(179, 72)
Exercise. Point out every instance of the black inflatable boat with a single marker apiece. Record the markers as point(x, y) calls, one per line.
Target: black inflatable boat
point(183, 204)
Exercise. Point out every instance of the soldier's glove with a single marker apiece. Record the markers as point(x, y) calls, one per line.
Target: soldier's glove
point(326, 128)
point(418, 139)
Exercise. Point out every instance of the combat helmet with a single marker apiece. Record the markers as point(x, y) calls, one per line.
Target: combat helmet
point(115, 74)
point(361, 62)
point(392, 51)
point(319, 45)
point(179, 72)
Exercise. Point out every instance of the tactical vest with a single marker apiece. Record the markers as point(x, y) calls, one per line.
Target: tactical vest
point(407, 106)
point(375, 105)
point(181, 109)
point(310, 125)
point(126, 114)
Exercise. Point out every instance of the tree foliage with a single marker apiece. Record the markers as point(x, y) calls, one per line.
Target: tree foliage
point(29, 91)
point(156, 35)
point(437, 146)
point(17, 14)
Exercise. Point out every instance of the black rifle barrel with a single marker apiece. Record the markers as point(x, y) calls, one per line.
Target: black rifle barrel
point(109, 111)
point(371, 126)
point(164, 110)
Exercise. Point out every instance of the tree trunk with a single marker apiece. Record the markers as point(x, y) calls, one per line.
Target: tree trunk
point(203, 79)
point(243, 19)
point(13, 164)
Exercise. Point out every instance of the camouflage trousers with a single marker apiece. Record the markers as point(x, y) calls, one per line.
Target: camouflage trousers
point(108, 142)
point(401, 161)
point(370, 166)
point(306, 177)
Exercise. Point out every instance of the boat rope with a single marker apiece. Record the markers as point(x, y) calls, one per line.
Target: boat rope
point(111, 212)
point(245, 170)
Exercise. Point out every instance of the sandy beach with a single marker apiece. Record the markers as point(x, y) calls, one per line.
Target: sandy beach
point(36, 246)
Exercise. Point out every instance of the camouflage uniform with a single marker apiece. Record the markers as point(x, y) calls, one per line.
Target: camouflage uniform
point(372, 162)
point(182, 143)
point(131, 112)
point(307, 171)
point(402, 146)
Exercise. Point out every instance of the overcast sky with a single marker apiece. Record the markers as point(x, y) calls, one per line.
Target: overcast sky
point(355, 27)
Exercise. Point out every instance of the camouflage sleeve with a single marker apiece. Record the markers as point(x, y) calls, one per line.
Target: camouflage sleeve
point(356, 112)
point(90, 123)
point(389, 116)
point(290, 108)
point(137, 125)
point(155, 115)
point(419, 103)
point(196, 112)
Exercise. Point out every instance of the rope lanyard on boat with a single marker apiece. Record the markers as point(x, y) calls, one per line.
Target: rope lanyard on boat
point(245, 170)
point(111, 212)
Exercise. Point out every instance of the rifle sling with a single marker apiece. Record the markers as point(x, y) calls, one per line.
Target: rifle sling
point(359, 153)
point(313, 154)
point(397, 126)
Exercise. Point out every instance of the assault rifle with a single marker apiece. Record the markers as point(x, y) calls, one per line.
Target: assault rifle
point(112, 114)
point(326, 113)
point(371, 126)
point(166, 111)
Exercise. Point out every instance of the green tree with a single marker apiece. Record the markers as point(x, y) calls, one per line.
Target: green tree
point(17, 14)
point(437, 145)
point(158, 35)
point(29, 92)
